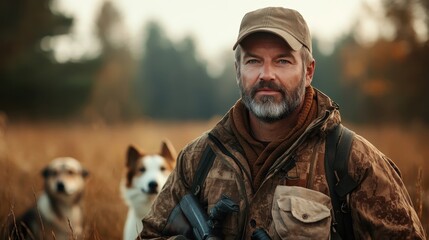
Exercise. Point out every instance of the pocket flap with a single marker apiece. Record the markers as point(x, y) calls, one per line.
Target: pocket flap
point(304, 210)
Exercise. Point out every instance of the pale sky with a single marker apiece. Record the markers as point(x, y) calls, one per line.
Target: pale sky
point(213, 24)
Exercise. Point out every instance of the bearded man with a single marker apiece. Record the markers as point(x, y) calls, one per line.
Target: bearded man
point(269, 153)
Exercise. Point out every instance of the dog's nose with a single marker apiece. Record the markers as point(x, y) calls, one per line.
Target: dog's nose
point(61, 187)
point(153, 187)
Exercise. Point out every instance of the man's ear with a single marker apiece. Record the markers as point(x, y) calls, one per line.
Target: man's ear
point(237, 71)
point(309, 73)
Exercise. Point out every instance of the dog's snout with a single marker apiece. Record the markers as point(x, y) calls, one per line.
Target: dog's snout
point(153, 187)
point(61, 187)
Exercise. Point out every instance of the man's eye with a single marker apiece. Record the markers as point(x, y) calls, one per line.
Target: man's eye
point(283, 61)
point(252, 61)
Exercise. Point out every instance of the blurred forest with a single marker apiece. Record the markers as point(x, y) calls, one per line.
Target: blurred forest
point(380, 80)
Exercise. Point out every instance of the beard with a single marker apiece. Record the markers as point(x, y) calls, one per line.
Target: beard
point(267, 108)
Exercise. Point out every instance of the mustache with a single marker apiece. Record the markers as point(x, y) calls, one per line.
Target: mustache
point(267, 84)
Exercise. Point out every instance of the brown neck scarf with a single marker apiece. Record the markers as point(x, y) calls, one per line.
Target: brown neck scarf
point(261, 156)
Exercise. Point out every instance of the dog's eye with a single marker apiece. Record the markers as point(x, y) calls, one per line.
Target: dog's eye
point(70, 172)
point(143, 169)
point(162, 168)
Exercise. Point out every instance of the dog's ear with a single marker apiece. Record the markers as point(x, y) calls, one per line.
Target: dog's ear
point(85, 173)
point(45, 172)
point(168, 151)
point(132, 155)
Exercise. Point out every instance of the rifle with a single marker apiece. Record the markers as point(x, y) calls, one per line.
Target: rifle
point(206, 227)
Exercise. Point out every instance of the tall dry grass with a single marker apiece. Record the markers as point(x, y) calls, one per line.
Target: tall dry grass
point(25, 148)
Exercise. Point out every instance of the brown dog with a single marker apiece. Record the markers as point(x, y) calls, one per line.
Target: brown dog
point(57, 214)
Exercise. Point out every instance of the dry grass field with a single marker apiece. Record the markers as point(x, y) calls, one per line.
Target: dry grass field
point(25, 148)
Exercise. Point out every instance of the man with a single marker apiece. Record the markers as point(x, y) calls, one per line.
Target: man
point(281, 118)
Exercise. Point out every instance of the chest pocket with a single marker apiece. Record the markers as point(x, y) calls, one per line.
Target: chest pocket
point(300, 213)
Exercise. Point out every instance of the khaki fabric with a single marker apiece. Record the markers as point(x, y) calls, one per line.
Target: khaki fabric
point(381, 207)
point(286, 23)
point(300, 213)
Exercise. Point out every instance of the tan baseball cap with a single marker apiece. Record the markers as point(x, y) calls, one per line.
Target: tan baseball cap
point(284, 22)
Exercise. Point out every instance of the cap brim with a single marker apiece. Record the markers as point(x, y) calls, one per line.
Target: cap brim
point(289, 39)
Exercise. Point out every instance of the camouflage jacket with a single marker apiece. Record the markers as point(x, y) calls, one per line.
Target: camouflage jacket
point(380, 206)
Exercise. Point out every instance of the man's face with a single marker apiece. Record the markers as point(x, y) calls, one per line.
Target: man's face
point(271, 76)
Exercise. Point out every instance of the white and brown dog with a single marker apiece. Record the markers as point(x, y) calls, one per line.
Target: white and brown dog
point(58, 214)
point(145, 176)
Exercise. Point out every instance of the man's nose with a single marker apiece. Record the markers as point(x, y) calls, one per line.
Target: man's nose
point(267, 72)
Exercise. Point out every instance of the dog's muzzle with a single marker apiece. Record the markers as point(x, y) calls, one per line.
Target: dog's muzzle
point(61, 188)
point(152, 187)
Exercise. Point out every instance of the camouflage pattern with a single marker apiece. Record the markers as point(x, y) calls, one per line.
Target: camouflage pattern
point(381, 207)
